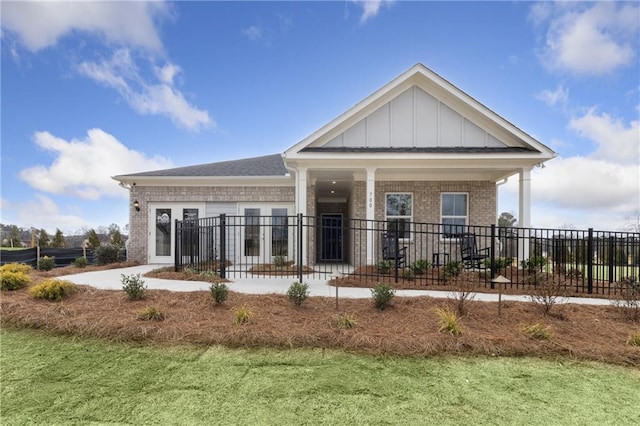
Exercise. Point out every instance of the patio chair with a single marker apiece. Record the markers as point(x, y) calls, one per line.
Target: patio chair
point(471, 255)
point(392, 251)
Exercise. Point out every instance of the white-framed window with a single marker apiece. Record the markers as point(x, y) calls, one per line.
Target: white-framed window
point(454, 213)
point(399, 213)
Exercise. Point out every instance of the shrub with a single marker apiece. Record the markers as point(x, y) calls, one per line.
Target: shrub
point(347, 321)
point(298, 293)
point(80, 262)
point(107, 253)
point(47, 263)
point(464, 292)
point(10, 280)
point(499, 262)
point(134, 286)
point(243, 315)
point(16, 267)
point(537, 331)
point(533, 264)
point(382, 295)
point(634, 339)
point(219, 292)
point(279, 261)
point(450, 270)
point(52, 289)
point(628, 297)
point(449, 322)
point(548, 291)
point(384, 266)
point(151, 313)
point(209, 276)
point(419, 267)
point(408, 274)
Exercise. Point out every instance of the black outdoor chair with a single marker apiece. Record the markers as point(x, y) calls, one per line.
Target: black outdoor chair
point(392, 251)
point(472, 257)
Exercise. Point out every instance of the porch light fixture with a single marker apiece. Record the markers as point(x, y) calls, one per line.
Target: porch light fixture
point(136, 205)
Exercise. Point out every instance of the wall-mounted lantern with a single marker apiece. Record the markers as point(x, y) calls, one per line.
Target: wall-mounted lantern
point(136, 205)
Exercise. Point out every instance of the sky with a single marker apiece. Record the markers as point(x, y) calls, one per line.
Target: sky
point(90, 90)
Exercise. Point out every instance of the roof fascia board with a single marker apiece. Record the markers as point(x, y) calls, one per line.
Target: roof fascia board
point(236, 181)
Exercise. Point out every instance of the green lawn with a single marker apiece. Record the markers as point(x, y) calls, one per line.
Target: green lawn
point(54, 380)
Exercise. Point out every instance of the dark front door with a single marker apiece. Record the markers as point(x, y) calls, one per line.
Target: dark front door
point(331, 237)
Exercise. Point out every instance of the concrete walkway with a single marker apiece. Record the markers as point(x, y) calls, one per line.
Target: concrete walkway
point(111, 280)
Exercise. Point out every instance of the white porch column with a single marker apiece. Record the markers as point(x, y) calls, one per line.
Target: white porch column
point(524, 210)
point(301, 190)
point(371, 213)
point(301, 207)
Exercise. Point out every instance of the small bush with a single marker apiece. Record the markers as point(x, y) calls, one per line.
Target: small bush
point(537, 331)
point(500, 262)
point(107, 253)
point(419, 267)
point(209, 276)
point(548, 292)
point(46, 263)
point(151, 313)
point(533, 264)
point(16, 267)
point(80, 262)
point(279, 261)
point(52, 289)
point(464, 292)
point(449, 322)
point(628, 297)
point(382, 295)
point(347, 321)
point(134, 286)
point(408, 274)
point(219, 292)
point(243, 315)
point(298, 293)
point(10, 280)
point(384, 266)
point(634, 339)
point(450, 270)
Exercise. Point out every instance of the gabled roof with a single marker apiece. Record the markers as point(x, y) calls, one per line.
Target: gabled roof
point(477, 117)
point(268, 165)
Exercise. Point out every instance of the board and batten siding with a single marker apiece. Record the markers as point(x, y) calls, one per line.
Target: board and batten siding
point(415, 119)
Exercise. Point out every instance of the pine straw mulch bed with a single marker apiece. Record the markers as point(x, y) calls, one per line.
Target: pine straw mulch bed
point(368, 276)
point(408, 327)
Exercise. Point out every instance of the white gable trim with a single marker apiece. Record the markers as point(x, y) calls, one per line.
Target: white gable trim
point(440, 89)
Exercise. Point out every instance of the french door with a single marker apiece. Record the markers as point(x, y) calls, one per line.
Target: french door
point(162, 217)
point(265, 233)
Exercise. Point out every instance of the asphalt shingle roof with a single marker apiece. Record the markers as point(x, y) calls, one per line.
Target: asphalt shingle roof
point(268, 165)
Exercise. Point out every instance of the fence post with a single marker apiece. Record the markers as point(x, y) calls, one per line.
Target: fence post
point(590, 262)
point(223, 245)
point(176, 244)
point(610, 258)
point(492, 254)
point(396, 242)
point(300, 243)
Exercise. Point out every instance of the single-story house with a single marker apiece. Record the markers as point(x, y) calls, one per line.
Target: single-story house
point(416, 150)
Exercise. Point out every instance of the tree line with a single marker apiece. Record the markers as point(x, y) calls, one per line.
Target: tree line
point(14, 236)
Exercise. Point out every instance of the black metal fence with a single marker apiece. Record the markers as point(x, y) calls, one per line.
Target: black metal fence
point(329, 246)
point(63, 256)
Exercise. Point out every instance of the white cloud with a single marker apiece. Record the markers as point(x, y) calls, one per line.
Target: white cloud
point(44, 213)
point(558, 97)
point(371, 8)
point(254, 32)
point(616, 141)
point(157, 97)
point(41, 24)
point(588, 38)
point(83, 168)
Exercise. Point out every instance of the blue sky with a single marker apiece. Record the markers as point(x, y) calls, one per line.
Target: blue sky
point(96, 89)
